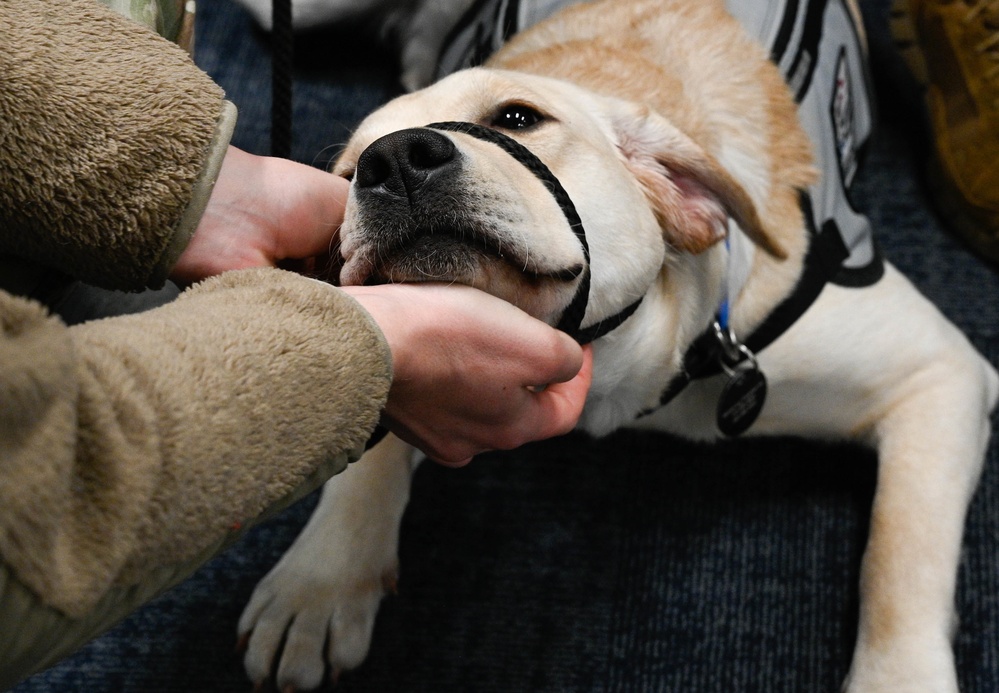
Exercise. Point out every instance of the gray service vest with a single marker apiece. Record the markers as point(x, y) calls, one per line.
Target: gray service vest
point(817, 46)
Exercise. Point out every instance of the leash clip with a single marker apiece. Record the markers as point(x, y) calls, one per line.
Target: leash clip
point(733, 352)
point(744, 394)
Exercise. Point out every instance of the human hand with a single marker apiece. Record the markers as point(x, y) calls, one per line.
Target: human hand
point(262, 211)
point(466, 366)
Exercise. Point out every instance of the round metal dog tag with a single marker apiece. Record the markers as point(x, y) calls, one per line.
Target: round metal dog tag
point(741, 400)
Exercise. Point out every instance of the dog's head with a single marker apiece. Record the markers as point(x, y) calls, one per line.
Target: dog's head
point(433, 205)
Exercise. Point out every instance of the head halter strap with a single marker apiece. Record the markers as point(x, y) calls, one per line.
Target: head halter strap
point(572, 316)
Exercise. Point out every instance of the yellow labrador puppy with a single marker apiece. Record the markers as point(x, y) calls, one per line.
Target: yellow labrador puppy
point(635, 172)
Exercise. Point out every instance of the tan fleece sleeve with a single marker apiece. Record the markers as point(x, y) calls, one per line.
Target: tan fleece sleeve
point(132, 443)
point(110, 142)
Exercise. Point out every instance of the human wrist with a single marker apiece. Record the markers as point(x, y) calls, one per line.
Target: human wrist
point(264, 211)
point(201, 194)
point(393, 321)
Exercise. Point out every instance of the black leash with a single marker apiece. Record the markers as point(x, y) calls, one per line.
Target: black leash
point(282, 60)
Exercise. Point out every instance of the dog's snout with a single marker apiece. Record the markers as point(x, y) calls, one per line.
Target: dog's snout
point(402, 161)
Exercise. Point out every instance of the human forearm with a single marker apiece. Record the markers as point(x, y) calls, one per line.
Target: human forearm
point(183, 422)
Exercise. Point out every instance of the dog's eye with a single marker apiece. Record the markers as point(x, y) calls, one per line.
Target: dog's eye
point(516, 116)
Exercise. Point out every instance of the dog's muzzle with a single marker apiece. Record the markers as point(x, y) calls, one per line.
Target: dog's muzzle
point(572, 317)
point(430, 154)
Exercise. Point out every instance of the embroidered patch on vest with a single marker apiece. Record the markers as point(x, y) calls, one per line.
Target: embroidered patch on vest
point(841, 107)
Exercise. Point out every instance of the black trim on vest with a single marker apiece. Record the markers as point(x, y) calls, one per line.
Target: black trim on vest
point(808, 50)
point(482, 45)
point(510, 23)
point(783, 37)
point(859, 277)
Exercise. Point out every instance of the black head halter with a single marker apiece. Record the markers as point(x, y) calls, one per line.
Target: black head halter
point(572, 316)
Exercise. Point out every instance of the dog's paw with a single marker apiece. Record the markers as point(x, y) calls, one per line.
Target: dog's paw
point(307, 620)
point(902, 670)
point(907, 686)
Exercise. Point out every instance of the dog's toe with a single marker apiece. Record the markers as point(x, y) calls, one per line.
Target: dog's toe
point(302, 665)
point(299, 627)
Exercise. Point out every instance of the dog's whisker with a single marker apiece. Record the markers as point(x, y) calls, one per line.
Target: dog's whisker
point(334, 150)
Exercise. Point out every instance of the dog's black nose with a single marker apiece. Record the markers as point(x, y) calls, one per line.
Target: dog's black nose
point(402, 161)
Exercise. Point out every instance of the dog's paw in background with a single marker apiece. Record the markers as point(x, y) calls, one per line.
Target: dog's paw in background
point(313, 14)
point(315, 611)
point(414, 29)
point(925, 668)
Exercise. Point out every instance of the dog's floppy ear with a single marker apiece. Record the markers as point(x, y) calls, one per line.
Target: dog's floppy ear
point(691, 194)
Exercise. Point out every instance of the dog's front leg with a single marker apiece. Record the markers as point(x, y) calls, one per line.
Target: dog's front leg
point(322, 597)
point(931, 441)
